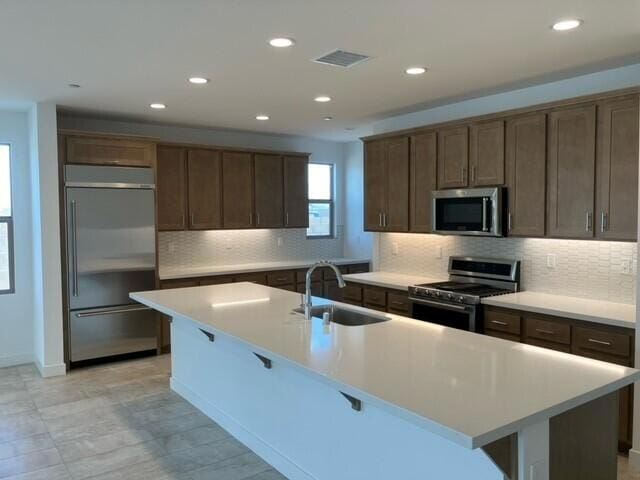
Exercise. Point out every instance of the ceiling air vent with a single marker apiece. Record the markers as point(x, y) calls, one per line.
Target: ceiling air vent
point(340, 58)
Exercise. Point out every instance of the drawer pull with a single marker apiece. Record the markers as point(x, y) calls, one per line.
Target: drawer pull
point(498, 322)
point(546, 332)
point(282, 279)
point(599, 342)
point(396, 302)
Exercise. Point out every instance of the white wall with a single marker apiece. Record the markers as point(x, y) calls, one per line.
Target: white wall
point(357, 242)
point(47, 281)
point(16, 310)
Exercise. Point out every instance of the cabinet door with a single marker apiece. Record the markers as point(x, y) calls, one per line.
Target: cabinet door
point(617, 195)
point(205, 189)
point(526, 174)
point(375, 182)
point(571, 172)
point(269, 191)
point(122, 152)
point(165, 328)
point(171, 182)
point(296, 192)
point(396, 213)
point(486, 154)
point(237, 178)
point(423, 180)
point(453, 157)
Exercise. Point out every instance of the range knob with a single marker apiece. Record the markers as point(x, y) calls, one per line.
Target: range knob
point(437, 294)
point(449, 296)
point(460, 299)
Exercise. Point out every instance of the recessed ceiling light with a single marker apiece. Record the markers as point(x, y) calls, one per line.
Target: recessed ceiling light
point(281, 42)
point(262, 117)
point(74, 85)
point(567, 24)
point(198, 80)
point(328, 118)
point(323, 99)
point(415, 70)
point(158, 106)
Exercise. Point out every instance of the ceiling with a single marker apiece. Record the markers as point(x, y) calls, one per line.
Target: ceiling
point(126, 54)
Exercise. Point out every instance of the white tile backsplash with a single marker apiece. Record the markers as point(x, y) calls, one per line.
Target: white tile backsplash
point(590, 269)
point(232, 247)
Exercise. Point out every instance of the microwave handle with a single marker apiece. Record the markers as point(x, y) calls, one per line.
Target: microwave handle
point(485, 214)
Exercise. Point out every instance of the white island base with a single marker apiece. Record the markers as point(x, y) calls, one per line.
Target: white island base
point(307, 429)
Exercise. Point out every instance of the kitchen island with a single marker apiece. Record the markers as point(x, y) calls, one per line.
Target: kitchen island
point(398, 399)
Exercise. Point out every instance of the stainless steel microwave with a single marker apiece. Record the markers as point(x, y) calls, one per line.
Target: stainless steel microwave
point(469, 211)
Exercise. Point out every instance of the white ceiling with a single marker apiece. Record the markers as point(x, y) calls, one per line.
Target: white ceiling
point(128, 53)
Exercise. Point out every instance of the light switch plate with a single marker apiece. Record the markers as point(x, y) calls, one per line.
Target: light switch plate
point(551, 260)
point(626, 267)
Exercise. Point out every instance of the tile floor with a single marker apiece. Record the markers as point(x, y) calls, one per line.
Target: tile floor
point(119, 422)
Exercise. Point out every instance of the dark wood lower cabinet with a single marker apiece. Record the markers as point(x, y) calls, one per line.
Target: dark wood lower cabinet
point(586, 339)
point(164, 327)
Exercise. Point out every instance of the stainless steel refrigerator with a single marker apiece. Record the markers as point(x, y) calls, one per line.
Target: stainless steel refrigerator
point(110, 238)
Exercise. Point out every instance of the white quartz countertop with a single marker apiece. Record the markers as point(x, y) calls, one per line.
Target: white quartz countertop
point(397, 281)
point(211, 270)
point(597, 311)
point(471, 389)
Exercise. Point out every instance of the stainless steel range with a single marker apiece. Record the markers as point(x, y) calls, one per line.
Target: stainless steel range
point(456, 302)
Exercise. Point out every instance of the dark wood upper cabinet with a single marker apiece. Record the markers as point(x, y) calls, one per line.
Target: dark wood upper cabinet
point(121, 152)
point(375, 179)
point(205, 189)
point(526, 157)
point(453, 157)
point(296, 192)
point(237, 178)
point(571, 172)
point(269, 194)
point(486, 154)
point(171, 183)
point(617, 169)
point(396, 215)
point(423, 177)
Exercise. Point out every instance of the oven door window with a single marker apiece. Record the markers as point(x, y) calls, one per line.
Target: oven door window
point(461, 214)
point(448, 318)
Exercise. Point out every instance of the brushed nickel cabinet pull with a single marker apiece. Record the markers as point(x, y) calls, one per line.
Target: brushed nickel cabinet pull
point(546, 332)
point(509, 222)
point(257, 218)
point(599, 342)
point(498, 322)
point(473, 173)
point(604, 222)
point(380, 219)
point(286, 218)
point(588, 221)
point(193, 222)
point(384, 219)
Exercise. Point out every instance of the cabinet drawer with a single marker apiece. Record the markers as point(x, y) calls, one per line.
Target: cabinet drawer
point(602, 341)
point(358, 268)
point(284, 277)
point(547, 330)
point(375, 297)
point(301, 275)
point(218, 280)
point(178, 283)
point(502, 335)
point(558, 347)
point(502, 322)
point(398, 302)
point(352, 292)
point(316, 288)
point(329, 273)
point(260, 278)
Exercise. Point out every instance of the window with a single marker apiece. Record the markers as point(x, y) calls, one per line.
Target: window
point(320, 200)
point(6, 223)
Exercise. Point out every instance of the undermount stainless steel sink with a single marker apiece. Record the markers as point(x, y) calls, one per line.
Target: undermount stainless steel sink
point(350, 318)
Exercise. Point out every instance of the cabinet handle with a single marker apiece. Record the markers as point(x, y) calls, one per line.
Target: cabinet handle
point(464, 174)
point(498, 322)
point(599, 342)
point(509, 222)
point(604, 222)
point(380, 219)
point(251, 218)
point(384, 219)
point(281, 279)
point(473, 173)
point(588, 221)
point(182, 220)
point(286, 218)
point(192, 216)
point(546, 332)
point(396, 302)
point(257, 218)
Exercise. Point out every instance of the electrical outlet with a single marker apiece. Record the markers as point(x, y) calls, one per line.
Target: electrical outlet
point(280, 241)
point(626, 267)
point(228, 243)
point(551, 260)
point(395, 248)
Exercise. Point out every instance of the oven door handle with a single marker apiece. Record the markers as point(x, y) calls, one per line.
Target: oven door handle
point(485, 214)
point(445, 306)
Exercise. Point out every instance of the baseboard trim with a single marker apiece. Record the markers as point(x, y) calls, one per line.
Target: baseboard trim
point(634, 459)
point(47, 371)
point(13, 360)
point(281, 463)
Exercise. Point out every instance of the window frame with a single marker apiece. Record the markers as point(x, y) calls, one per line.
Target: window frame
point(9, 222)
point(330, 202)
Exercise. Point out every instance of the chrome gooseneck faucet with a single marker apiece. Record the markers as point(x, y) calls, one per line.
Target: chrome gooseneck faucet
point(307, 291)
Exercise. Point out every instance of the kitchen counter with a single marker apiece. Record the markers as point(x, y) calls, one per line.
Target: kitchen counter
point(211, 270)
point(589, 310)
point(419, 371)
point(397, 281)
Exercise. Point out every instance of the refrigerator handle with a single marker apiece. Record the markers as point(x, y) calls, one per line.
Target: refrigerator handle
point(74, 250)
